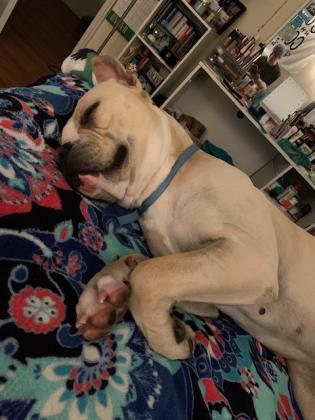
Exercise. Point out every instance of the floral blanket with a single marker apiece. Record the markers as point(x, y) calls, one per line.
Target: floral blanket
point(52, 241)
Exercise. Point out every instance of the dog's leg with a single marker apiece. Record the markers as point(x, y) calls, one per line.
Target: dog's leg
point(105, 298)
point(227, 272)
point(303, 381)
point(200, 309)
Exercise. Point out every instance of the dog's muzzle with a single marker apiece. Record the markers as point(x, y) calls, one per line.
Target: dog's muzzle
point(85, 158)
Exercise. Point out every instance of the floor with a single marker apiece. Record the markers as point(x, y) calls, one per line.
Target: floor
point(39, 33)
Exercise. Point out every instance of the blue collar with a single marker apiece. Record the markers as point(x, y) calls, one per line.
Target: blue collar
point(137, 213)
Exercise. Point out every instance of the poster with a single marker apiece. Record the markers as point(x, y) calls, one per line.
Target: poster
point(298, 39)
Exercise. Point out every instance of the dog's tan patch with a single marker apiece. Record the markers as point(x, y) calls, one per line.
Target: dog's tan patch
point(270, 292)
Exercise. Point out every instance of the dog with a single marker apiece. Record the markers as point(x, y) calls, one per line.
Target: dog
point(216, 239)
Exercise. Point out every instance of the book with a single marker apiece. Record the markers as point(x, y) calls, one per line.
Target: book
point(179, 26)
point(175, 19)
point(182, 38)
point(185, 47)
point(186, 34)
point(164, 11)
point(181, 31)
point(170, 14)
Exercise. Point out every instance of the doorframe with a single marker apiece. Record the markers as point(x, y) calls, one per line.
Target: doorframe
point(6, 13)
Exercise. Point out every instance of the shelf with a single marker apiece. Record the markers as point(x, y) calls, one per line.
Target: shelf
point(154, 52)
point(193, 11)
point(309, 219)
point(275, 203)
point(147, 20)
point(244, 110)
point(271, 172)
point(180, 63)
point(182, 85)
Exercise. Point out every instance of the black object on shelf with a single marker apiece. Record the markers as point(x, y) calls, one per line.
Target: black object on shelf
point(168, 57)
point(234, 9)
point(159, 100)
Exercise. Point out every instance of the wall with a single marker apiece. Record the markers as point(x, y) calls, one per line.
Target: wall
point(84, 7)
point(267, 15)
point(306, 79)
point(114, 46)
point(204, 100)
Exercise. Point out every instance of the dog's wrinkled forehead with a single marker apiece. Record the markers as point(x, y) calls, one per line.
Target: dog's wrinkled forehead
point(105, 102)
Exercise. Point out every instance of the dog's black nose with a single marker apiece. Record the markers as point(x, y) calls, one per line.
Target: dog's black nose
point(62, 152)
point(62, 160)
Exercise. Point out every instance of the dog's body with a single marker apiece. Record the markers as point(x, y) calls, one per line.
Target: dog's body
point(216, 238)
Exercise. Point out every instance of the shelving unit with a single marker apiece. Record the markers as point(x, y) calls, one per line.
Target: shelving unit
point(271, 172)
point(244, 110)
point(202, 28)
point(279, 164)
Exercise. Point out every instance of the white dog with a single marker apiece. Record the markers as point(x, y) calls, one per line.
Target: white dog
point(216, 239)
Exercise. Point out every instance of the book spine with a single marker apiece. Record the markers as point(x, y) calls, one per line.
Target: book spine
point(173, 22)
point(182, 31)
point(185, 47)
point(165, 11)
point(186, 34)
point(179, 26)
point(170, 15)
point(182, 39)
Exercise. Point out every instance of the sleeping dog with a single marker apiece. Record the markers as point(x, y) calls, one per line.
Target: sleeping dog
point(216, 239)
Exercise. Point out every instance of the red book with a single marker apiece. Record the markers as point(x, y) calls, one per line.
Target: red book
point(186, 34)
point(183, 38)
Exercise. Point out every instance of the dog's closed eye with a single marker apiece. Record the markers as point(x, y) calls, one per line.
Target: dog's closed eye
point(88, 113)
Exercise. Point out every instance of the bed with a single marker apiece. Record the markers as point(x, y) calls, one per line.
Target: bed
point(52, 241)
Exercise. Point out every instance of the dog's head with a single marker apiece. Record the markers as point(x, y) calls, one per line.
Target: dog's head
point(115, 139)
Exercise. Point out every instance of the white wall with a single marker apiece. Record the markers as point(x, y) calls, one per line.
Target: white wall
point(306, 79)
point(204, 100)
point(267, 15)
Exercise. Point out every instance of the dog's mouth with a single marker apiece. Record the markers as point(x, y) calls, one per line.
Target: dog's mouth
point(82, 172)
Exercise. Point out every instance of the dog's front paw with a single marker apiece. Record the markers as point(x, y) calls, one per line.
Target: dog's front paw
point(100, 307)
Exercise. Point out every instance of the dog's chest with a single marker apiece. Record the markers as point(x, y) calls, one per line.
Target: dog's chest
point(183, 227)
point(171, 237)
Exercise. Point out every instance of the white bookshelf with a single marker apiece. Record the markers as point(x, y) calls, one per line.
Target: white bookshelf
point(138, 37)
point(273, 169)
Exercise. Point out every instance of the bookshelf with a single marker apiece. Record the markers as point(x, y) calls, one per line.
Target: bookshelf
point(174, 33)
point(167, 39)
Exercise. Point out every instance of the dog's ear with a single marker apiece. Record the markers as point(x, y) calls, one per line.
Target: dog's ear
point(108, 68)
